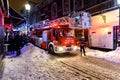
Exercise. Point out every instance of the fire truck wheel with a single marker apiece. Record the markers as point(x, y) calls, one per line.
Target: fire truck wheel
point(51, 49)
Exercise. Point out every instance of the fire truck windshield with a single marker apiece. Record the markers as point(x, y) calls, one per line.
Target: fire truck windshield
point(66, 32)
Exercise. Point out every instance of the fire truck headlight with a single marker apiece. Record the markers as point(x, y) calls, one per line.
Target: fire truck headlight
point(60, 48)
point(75, 48)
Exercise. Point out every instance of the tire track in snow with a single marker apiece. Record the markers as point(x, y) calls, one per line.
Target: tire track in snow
point(88, 74)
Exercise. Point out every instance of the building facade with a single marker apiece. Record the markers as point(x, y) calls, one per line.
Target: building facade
point(52, 9)
point(105, 14)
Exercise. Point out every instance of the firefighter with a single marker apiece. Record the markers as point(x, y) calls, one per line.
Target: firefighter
point(82, 43)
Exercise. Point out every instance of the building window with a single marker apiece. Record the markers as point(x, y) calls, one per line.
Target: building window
point(99, 5)
point(78, 4)
point(54, 11)
point(66, 6)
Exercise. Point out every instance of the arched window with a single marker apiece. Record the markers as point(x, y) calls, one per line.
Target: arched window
point(54, 10)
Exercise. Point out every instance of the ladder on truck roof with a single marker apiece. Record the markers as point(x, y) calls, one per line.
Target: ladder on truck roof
point(74, 20)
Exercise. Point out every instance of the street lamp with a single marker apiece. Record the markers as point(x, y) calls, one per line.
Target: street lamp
point(27, 7)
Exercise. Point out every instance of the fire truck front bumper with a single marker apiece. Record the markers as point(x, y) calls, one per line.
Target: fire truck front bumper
point(64, 49)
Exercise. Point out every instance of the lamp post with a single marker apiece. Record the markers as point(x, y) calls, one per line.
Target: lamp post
point(27, 7)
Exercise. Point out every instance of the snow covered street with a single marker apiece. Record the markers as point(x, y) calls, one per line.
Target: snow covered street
point(36, 64)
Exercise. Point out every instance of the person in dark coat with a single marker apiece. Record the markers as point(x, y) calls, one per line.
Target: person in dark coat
point(18, 44)
point(12, 43)
point(82, 42)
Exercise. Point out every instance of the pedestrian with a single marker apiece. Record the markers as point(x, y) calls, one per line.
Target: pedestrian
point(12, 43)
point(18, 44)
point(82, 43)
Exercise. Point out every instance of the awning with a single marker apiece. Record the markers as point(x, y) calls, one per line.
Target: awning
point(15, 18)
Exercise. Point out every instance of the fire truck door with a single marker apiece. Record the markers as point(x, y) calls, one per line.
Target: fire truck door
point(44, 39)
point(55, 34)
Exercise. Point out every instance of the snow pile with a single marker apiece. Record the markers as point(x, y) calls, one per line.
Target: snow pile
point(31, 61)
point(110, 56)
point(113, 55)
point(26, 49)
point(33, 52)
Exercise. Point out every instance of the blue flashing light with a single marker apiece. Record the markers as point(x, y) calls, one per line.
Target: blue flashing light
point(43, 22)
point(77, 17)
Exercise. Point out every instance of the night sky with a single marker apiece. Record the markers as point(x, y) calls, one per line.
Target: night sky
point(17, 5)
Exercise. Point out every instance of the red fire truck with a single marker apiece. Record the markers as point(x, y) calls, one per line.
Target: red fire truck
point(56, 36)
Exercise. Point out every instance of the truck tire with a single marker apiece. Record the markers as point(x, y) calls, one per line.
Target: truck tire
point(51, 49)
